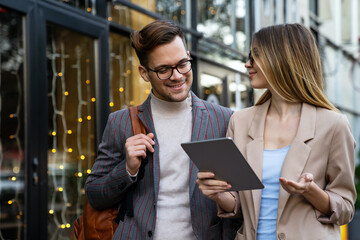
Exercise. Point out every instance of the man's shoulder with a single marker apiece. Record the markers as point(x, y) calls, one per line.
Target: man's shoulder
point(213, 107)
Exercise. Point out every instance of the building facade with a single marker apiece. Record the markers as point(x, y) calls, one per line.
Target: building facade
point(66, 64)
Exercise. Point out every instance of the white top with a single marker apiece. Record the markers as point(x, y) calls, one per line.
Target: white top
point(173, 121)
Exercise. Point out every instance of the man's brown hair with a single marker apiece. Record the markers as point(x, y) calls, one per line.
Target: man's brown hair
point(153, 35)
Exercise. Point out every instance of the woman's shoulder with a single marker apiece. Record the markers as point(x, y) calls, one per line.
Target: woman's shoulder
point(245, 112)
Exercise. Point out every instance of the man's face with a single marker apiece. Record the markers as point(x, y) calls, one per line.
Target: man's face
point(177, 87)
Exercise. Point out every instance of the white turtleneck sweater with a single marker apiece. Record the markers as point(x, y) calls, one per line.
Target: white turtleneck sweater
point(173, 121)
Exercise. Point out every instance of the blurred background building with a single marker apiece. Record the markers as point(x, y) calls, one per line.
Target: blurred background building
point(66, 64)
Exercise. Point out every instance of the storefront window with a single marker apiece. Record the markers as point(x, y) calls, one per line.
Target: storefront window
point(71, 101)
point(86, 5)
point(126, 86)
point(173, 9)
point(128, 17)
point(11, 125)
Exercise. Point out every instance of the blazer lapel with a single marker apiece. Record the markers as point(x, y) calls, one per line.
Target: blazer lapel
point(254, 153)
point(298, 153)
point(199, 127)
point(145, 117)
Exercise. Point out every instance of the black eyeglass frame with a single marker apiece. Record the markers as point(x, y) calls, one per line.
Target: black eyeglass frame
point(172, 69)
point(251, 59)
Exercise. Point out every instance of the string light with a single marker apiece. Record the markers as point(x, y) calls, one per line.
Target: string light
point(69, 132)
point(66, 93)
point(51, 211)
point(87, 81)
point(111, 104)
point(93, 99)
point(88, 117)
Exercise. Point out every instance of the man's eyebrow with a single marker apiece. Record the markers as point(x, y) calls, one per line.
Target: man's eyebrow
point(168, 66)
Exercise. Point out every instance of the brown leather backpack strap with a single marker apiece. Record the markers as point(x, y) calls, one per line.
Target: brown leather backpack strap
point(137, 126)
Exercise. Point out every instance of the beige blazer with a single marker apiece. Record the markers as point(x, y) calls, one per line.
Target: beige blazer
point(323, 146)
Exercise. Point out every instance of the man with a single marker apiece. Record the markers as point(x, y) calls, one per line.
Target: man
point(150, 176)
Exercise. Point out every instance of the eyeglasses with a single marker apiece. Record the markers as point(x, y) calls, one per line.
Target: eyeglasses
point(165, 72)
point(251, 59)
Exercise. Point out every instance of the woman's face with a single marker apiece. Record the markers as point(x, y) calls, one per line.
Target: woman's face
point(257, 78)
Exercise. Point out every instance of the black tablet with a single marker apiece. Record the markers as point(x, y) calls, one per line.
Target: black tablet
point(223, 158)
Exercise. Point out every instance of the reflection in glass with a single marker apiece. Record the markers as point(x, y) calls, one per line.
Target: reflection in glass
point(211, 88)
point(11, 126)
point(86, 5)
point(71, 100)
point(121, 87)
point(223, 21)
point(127, 88)
point(128, 17)
point(172, 9)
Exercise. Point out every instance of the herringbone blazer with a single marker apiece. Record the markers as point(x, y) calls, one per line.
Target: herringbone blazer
point(108, 182)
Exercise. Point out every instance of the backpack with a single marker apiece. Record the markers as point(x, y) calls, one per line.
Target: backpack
point(101, 225)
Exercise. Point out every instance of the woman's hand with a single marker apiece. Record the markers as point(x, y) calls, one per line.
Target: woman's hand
point(211, 187)
point(299, 187)
point(309, 190)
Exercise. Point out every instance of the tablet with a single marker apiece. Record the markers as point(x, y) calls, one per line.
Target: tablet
point(223, 158)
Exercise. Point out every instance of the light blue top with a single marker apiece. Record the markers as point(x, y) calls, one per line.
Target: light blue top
point(272, 163)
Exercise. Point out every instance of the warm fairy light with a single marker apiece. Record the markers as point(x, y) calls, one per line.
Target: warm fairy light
point(82, 157)
point(53, 133)
point(93, 99)
point(11, 115)
point(87, 81)
point(88, 171)
point(11, 136)
point(51, 211)
point(60, 189)
point(78, 174)
point(121, 89)
point(10, 202)
point(175, 18)
point(80, 119)
point(132, 102)
point(59, 74)
point(182, 12)
point(109, 18)
point(111, 104)
point(53, 150)
point(61, 166)
point(13, 179)
point(62, 226)
point(68, 225)
point(88, 117)
point(70, 150)
point(69, 132)
point(88, 9)
point(87, 60)
point(128, 72)
point(66, 93)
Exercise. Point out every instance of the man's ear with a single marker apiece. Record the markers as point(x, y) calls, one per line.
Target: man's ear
point(188, 53)
point(144, 73)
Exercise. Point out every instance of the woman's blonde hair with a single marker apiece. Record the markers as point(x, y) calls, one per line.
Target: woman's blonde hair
point(288, 56)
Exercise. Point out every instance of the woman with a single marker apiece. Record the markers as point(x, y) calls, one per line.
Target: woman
point(293, 137)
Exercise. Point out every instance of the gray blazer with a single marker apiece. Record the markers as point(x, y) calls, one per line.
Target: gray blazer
point(108, 184)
